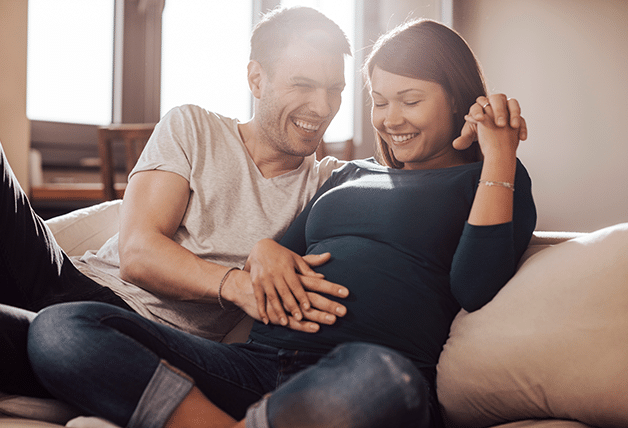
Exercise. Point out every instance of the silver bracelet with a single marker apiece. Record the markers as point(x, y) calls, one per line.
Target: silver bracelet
point(222, 282)
point(498, 183)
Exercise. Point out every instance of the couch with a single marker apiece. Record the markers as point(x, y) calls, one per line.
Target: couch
point(549, 351)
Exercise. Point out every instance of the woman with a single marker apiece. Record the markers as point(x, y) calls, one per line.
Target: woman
point(431, 229)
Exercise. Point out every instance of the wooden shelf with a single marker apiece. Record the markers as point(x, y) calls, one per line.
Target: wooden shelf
point(73, 192)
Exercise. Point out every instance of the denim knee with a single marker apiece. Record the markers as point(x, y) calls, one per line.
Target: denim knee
point(51, 343)
point(83, 362)
point(356, 385)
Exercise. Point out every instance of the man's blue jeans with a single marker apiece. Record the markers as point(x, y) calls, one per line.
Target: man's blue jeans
point(134, 372)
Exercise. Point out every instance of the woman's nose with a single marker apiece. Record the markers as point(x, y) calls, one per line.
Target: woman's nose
point(393, 116)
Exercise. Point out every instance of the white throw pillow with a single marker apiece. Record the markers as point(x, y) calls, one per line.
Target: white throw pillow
point(87, 228)
point(553, 343)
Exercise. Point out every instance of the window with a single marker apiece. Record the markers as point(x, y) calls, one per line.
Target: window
point(70, 60)
point(97, 61)
point(205, 50)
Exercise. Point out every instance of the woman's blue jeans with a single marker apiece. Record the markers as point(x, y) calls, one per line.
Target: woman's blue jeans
point(34, 270)
point(34, 273)
point(134, 372)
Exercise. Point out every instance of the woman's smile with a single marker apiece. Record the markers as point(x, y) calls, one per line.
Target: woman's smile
point(398, 139)
point(415, 118)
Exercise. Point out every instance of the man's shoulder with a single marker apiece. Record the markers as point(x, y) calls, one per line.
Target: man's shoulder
point(196, 126)
point(198, 112)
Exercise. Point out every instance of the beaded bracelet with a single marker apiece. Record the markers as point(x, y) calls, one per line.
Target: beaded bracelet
point(222, 282)
point(498, 183)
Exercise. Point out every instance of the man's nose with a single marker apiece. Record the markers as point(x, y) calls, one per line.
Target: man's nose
point(321, 103)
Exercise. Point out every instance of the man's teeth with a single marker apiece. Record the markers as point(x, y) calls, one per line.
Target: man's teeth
point(306, 125)
point(402, 138)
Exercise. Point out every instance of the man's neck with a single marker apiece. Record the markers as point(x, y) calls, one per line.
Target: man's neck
point(270, 162)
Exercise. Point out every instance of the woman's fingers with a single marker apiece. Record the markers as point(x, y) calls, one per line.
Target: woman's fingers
point(260, 299)
point(284, 301)
point(468, 135)
point(323, 312)
point(523, 129)
point(320, 285)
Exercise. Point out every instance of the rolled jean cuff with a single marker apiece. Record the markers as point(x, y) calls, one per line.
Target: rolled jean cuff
point(163, 394)
point(257, 415)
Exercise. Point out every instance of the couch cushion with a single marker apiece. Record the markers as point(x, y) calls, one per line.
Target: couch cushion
point(42, 409)
point(26, 423)
point(551, 344)
point(87, 228)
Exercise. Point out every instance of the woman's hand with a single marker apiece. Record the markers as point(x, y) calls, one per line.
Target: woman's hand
point(495, 138)
point(493, 202)
point(280, 278)
point(504, 111)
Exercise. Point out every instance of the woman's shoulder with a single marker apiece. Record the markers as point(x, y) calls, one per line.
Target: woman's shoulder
point(359, 167)
point(368, 164)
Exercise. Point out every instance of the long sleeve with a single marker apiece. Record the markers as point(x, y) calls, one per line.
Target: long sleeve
point(487, 256)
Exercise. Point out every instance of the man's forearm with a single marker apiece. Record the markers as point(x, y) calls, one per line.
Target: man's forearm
point(163, 267)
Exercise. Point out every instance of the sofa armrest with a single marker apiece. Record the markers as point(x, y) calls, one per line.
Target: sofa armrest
point(86, 228)
point(544, 239)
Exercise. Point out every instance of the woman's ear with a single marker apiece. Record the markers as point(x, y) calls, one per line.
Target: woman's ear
point(254, 76)
point(454, 109)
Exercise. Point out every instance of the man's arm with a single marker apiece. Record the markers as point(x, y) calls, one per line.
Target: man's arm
point(154, 205)
point(153, 208)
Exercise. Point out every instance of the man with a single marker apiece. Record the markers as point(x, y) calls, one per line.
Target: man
point(204, 191)
point(207, 187)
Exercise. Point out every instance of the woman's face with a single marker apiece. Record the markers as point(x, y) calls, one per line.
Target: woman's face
point(415, 118)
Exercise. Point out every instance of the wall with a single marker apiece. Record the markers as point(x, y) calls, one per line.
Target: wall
point(14, 127)
point(395, 12)
point(566, 61)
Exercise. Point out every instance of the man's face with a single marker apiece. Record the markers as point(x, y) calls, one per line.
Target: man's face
point(299, 97)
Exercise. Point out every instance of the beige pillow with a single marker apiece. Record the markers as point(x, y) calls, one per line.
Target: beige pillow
point(87, 228)
point(553, 343)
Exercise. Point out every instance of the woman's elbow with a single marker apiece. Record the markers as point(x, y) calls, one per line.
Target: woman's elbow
point(472, 304)
point(473, 295)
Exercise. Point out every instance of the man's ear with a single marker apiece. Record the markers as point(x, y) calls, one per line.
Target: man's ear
point(254, 76)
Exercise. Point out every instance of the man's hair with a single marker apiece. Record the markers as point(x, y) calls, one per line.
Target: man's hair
point(428, 50)
point(280, 26)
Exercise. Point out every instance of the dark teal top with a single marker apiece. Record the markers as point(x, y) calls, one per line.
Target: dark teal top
point(400, 243)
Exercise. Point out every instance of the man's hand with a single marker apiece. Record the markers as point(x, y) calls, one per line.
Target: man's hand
point(282, 281)
point(505, 111)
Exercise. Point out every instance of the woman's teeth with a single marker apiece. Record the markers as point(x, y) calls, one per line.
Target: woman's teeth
point(306, 125)
point(402, 138)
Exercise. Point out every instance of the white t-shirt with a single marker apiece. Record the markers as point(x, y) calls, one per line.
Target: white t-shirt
point(231, 207)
